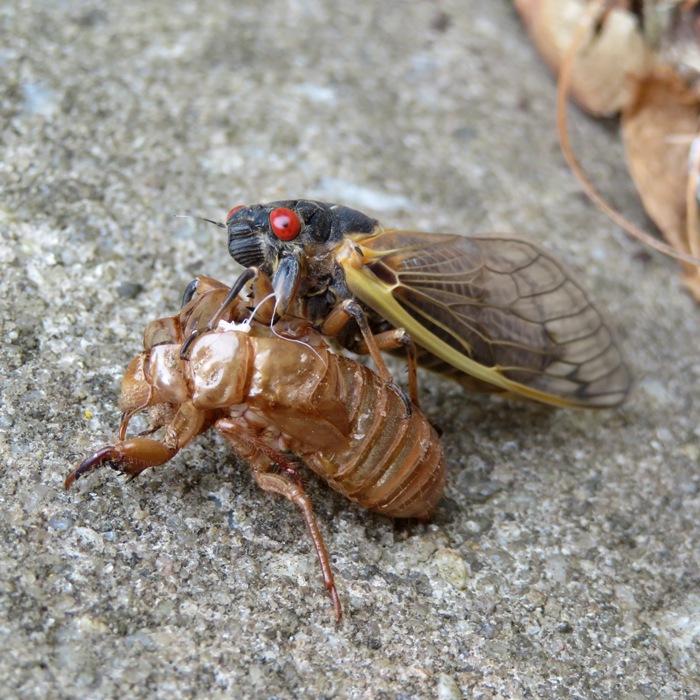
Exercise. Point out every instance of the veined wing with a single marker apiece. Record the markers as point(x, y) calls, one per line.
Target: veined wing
point(501, 309)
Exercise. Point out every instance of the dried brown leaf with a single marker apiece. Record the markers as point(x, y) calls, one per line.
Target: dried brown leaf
point(658, 126)
point(611, 51)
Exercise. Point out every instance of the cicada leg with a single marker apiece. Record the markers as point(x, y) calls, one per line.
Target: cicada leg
point(129, 457)
point(199, 286)
point(245, 277)
point(333, 325)
point(393, 340)
point(283, 485)
point(261, 457)
point(134, 456)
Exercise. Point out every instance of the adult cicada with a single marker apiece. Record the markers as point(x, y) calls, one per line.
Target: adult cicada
point(502, 314)
point(271, 392)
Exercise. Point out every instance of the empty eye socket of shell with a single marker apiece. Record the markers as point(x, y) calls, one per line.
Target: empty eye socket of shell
point(285, 224)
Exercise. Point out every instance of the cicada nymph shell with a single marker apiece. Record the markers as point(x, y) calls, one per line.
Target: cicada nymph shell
point(271, 394)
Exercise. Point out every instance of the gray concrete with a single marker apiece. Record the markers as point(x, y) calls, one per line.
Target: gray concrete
point(563, 561)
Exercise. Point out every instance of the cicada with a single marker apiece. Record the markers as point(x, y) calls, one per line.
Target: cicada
point(502, 314)
point(269, 393)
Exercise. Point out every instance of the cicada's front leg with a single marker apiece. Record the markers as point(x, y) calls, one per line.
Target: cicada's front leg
point(131, 457)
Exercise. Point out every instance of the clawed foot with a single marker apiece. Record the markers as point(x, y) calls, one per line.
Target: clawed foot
point(130, 457)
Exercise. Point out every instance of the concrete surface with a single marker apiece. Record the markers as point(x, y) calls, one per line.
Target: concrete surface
point(563, 562)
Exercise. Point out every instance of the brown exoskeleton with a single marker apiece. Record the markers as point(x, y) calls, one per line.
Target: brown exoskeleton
point(271, 393)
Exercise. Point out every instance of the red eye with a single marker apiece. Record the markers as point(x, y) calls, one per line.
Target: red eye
point(285, 224)
point(233, 211)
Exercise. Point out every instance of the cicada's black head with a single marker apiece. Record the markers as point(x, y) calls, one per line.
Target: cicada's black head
point(262, 235)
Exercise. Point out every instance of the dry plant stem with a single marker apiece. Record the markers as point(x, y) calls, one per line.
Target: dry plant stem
point(593, 12)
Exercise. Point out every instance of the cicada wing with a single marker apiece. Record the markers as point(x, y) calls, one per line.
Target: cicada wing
point(501, 309)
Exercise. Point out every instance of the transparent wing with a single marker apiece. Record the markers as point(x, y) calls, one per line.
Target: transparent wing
point(500, 309)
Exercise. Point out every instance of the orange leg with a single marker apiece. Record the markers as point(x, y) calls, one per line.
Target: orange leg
point(334, 324)
point(391, 340)
point(262, 289)
point(138, 454)
point(129, 457)
point(284, 486)
point(260, 457)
